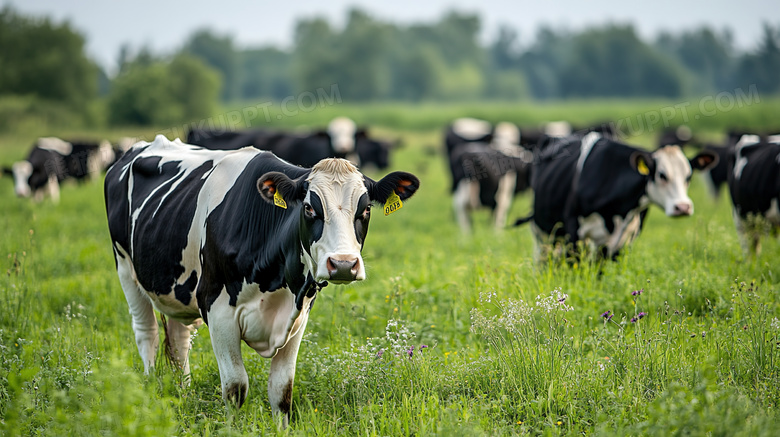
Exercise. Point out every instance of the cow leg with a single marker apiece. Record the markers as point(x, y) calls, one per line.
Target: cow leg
point(461, 204)
point(282, 374)
point(748, 238)
point(142, 312)
point(179, 336)
point(226, 341)
point(53, 187)
point(506, 189)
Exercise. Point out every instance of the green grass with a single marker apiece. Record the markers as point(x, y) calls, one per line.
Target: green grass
point(705, 360)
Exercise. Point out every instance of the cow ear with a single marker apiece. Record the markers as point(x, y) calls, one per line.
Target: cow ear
point(279, 189)
point(643, 163)
point(402, 183)
point(361, 132)
point(8, 171)
point(704, 160)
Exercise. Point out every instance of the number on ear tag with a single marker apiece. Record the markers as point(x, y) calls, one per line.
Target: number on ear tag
point(641, 167)
point(278, 201)
point(393, 204)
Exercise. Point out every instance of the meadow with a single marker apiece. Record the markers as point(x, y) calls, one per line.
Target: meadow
point(449, 335)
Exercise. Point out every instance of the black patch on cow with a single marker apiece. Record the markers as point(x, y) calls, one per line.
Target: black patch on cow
point(361, 220)
point(286, 402)
point(183, 292)
point(759, 180)
point(250, 240)
point(161, 229)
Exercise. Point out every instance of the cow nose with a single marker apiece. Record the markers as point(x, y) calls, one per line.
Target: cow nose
point(343, 269)
point(682, 209)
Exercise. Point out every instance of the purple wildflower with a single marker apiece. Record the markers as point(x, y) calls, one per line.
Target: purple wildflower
point(410, 351)
point(634, 319)
point(562, 300)
point(379, 354)
point(606, 314)
point(423, 346)
point(640, 315)
point(637, 292)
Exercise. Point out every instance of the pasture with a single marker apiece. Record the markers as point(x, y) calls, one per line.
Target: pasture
point(449, 335)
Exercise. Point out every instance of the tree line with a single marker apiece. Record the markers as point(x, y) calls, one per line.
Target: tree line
point(374, 60)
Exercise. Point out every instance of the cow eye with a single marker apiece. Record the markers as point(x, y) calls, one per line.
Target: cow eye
point(663, 177)
point(366, 213)
point(307, 208)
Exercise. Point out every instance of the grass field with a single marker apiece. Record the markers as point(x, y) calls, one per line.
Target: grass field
point(502, 355)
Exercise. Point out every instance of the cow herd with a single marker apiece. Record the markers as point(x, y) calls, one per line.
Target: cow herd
point(591, 188)
point(242, 229)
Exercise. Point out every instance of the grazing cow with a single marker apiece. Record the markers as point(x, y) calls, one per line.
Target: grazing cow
point(598, 190)
point(754, 184)
point(485, 174)
point(243, 241)
point(341, 139)
point(53, 160)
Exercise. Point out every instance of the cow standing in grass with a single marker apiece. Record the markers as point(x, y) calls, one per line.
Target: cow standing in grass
point(754, 184)
point(243, 241)
point(597, 190)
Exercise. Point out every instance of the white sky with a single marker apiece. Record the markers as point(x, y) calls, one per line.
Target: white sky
point(164, 25)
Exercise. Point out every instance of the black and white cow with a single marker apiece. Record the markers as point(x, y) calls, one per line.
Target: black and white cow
point(597, 190)
point(485, 174)
point(341, 139)
point(53, 160)
point(754, 184)
point(239, 239)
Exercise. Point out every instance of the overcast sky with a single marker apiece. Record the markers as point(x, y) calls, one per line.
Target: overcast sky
point(164, 25)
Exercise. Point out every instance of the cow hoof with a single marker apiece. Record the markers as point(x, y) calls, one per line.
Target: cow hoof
point(235, 394)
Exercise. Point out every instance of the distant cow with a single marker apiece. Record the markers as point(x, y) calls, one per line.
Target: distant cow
point(597, 190)
point(53, 160)
point(754, 184)
point(242, 240)
point(678, 136)
point(341, 139)
point(485, 173)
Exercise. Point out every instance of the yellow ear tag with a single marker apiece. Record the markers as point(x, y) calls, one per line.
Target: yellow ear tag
point(641, 167)
point(393, 204)
point(278, 201)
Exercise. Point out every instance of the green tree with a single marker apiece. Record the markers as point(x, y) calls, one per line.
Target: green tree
point(265, 72)
point(45, 60)
point(614, 62)
point(762, 67)
point(163, 93)
point(707, 54)
point(219, 53)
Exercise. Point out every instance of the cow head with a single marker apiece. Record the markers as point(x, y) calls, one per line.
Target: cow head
point(342, 135)
point(334, 213)
point(669, 174)
point(23, 173)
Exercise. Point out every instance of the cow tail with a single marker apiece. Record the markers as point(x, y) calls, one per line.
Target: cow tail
point(523, 220)
point(167, 348)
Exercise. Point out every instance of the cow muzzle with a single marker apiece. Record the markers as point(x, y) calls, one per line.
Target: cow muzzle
point(343, 269)
point(682, 209)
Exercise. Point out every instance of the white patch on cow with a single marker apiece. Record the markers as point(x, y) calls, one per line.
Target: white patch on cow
point(558, 129)
point(100, 160)
point(22, 171)
point(506, 190)
point(465, 199)
point(506, 133)
point(55, 145)
point(586, 146)
point(342, 134)
point(741, 161)
point(339, 185)
point(684, 133)
point(671, 194)
point(625, 229)
point(706, 176)
point(774, 139)
point(471, 128)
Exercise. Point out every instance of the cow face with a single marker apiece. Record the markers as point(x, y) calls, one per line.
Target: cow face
point(669, 174)
point(334, 213)
point(23, 172)
point(342, 135)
